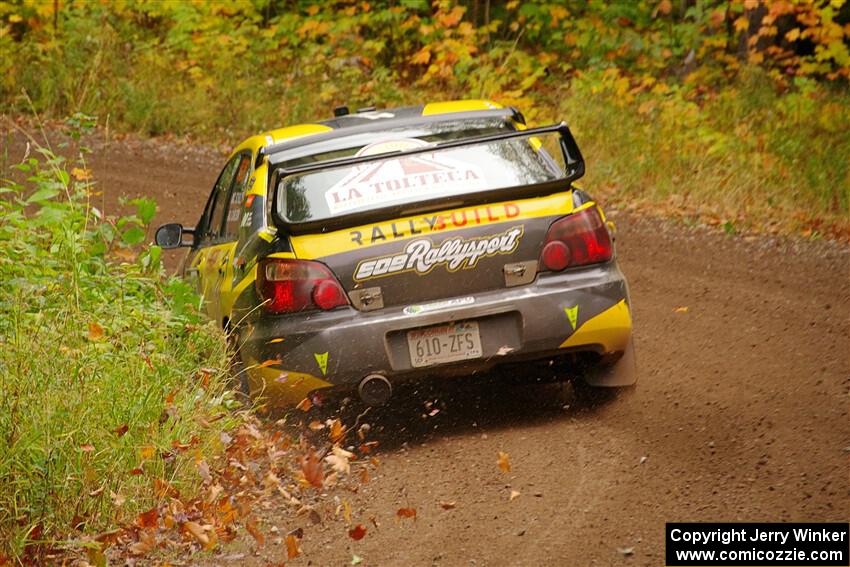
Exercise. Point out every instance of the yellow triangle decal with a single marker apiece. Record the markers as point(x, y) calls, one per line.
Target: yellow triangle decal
point(322, 361)
point(572, 315)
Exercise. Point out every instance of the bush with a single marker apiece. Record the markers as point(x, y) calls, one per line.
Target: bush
point(111, 384)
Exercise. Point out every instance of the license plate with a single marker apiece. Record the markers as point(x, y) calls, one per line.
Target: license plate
point(446, 343)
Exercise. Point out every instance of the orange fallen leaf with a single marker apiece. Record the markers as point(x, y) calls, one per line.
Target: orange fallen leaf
point(357, 533)
point(364, 475)
point(316, 425)
point(313, 470)
point(292, 549)
point(121, 430)
point(95, 332)
point(147, 452)
point(305, 404)
point(337, 431)
point(504, 462)
point(148, 519)
point(86, 448)
point(406, 513)
point(680, 310)
point(252, 528)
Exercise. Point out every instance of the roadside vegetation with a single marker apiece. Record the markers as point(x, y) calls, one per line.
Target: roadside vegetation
point(111, 384)
point(732, 113)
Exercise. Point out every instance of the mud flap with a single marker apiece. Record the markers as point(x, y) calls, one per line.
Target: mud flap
point(622, 373)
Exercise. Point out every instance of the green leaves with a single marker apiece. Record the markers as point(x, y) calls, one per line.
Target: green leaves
point(133, 235)
point(145, 209)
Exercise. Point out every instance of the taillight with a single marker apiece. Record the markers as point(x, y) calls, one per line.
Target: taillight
point(288, 286)
point(576, 240)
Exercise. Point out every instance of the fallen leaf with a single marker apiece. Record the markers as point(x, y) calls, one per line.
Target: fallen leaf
point(447, 505)
point(356, 560)
point(86, 448)
point(196, 531)
point(95, 332)
point(97, 492)
point(305, 404)
point(292, 549)
point(504, 462)
point(147, 541)
point(337, 431)
point(316, 425)
point(269, 362)
point(364, 475)
point(297, 533)
point(136, 472)
point(147, 452)
point(357, 533)
point(204, 471)
point(117, 499)
point(338, 460)
point(148, 519)
point(163, 488)
point(121, 430)
point(514, 495)
point(680, 310)
point(312, 469)
point(406, 513)
point(255, 532)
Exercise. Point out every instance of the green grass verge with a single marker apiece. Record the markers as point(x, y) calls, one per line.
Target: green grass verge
point(106, 407)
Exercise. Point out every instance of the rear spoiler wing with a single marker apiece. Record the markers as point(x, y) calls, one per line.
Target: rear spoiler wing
point(572, 157)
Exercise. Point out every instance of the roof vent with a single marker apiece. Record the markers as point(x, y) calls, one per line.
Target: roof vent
point(341, 111)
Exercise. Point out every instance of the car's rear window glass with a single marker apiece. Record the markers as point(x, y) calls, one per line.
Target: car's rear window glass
point(423, 176)
point(347, 146)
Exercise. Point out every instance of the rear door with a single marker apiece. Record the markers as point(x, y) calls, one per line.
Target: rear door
point(210, 261)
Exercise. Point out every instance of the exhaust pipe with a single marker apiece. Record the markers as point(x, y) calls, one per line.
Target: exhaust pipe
point(374, 390)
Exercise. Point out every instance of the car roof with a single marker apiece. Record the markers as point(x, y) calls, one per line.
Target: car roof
point(371, 119)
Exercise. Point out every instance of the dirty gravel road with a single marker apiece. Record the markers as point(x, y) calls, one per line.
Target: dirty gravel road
point(740, 414)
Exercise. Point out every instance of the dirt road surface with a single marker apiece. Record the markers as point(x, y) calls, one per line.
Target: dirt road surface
point(741, 412)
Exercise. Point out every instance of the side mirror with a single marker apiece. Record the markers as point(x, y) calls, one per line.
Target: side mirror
point(171, 235)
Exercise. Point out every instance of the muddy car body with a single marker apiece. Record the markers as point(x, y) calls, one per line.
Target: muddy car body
point(387, 245)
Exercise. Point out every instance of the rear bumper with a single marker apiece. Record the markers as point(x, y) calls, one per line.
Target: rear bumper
point(580, 310)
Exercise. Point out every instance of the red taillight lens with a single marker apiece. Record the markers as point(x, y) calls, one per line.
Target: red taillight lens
point(288, 286)
point(576, 240)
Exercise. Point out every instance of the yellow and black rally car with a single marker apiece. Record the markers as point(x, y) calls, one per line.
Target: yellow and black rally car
point(385, 245)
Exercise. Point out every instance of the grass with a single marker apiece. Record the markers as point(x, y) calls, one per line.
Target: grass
point(747, 155)
point(111, 384)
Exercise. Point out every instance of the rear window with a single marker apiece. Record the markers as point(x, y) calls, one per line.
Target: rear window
point(422, 176)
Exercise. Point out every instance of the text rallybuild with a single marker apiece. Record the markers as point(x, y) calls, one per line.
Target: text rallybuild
point(757, 544)
point(421, 256)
